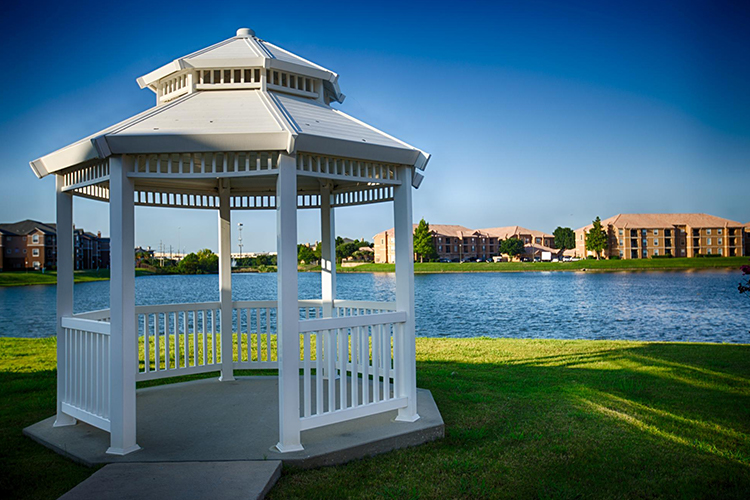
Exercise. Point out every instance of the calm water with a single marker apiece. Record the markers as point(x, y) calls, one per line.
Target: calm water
point(678, 306)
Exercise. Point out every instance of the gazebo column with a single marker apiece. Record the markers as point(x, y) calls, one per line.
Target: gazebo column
point(225, 282)
point(406, 367)
point(64, 290)
point(123, 337)
point(327, 250)
point(287, 341)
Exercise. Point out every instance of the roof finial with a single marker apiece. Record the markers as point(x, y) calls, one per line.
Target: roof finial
point(245, 32)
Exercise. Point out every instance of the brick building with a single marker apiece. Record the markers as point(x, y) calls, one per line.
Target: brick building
point(31, 244)
point(641, 236)
point(459, 243)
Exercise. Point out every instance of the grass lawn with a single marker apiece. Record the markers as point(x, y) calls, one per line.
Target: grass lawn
point(524, 419)
point(15, 278)
point(597, 265)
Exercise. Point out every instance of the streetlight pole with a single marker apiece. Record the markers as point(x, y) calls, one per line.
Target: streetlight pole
point(178, 240)
point(239, 228)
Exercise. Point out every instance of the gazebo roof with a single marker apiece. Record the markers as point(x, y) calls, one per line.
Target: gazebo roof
point(242, 94)
point(245, 50)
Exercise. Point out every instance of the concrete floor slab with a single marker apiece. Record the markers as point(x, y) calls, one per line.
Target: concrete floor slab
point(179, 480)
point(211, 421)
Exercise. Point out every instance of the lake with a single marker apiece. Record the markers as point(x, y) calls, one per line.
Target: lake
point(699, 306)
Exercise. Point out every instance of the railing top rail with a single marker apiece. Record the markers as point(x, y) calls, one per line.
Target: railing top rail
point(176, 307)
point(98, 314)
point(246, 304)
point(314, 325)
point(88, 325)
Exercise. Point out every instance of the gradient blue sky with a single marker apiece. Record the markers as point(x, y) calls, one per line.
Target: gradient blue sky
point(536, 113)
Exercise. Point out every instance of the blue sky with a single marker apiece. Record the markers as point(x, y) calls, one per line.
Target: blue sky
point(536, 113)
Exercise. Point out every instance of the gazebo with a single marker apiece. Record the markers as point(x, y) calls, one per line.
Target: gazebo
point(240, 125)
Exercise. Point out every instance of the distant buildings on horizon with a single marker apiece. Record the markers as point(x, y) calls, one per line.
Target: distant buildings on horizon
point(630, 236)
point(31, 244)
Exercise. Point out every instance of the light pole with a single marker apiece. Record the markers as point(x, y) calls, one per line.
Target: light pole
point(178, 240)
point(239, 228)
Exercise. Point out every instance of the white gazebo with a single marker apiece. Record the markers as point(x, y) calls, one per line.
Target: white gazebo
point(240, 125)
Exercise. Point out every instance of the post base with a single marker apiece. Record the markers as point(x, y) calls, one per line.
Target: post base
point(227, 378)
point(407, 418)
point(122, 451)
point(63, 420)
point(289, 448)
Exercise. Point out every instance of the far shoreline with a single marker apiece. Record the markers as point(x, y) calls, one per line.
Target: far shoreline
point(28, 278)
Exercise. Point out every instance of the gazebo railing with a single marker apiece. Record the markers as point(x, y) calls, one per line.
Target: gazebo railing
point(86, 373)
point(178, 339)
point(348, 361)
point(354, 358)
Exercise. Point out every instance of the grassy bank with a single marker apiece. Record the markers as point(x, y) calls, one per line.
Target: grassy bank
point(524, 419)
point(595, 265)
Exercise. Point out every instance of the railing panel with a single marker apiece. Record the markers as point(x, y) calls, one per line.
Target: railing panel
point(86, 395)
point(177, 339)
point(353, 358)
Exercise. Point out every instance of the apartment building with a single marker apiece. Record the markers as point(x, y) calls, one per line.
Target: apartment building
point(641, 236)
point(32, 244)
point(746, 244)
point(457, 243)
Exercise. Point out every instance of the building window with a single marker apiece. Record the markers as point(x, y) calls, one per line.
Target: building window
point(656, 241)
point(620, 232)
point(708, 241)
point(36, 265)
point(718, 231)
point(709, 251)
point(708, 231)
point(720, 240)
point(643, 232)
point(24, 251)
point(440, 248)
point(720, 251)
point(382, 241)
point(35, 252)
point(656, 252)
point(682, 251)
point(645, 243)
point(621, 243)
point(621, 254)
point(35, 239)
point(656, 232)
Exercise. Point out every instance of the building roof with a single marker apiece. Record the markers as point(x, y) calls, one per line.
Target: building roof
point(27, 226)
point(664, 220)
point(451, 230)
point(239, 119)
point(510, 231)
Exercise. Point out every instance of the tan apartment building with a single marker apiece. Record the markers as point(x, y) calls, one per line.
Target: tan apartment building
point(456, 243)
point(642, 236)
point(747, 240)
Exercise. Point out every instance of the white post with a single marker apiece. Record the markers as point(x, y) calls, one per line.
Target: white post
point(406, 365)
point(225, 282)
point(64, 290)
point(327, 250)
point(123, 338)
point(288, 308)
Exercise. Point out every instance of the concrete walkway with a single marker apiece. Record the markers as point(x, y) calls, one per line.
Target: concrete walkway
point(182, 480)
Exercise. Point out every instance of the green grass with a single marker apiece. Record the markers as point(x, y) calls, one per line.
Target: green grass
point(524, 419)
point(20, 278)
point(596, 265)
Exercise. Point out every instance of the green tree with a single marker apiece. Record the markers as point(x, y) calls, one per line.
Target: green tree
point(596, 238)
point(189, 264)
point(565, 238)
point(424, 244)
point(305, 254)
point(512, 247)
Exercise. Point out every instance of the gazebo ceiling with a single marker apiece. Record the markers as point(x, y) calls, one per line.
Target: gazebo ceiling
point(240, 103)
